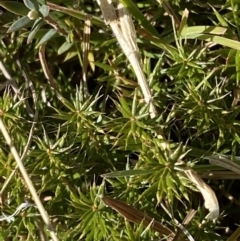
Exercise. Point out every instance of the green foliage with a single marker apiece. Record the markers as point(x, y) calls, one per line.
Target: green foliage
point(86, 146)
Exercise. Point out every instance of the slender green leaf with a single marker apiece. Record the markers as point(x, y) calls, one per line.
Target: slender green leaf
point(188, 31)
point(49, 35)
point(125, 112)
point(125, 105)
point(216, 39)
point(127, 173)
point(15, 7)
point(19, 24)
point(44, 9)
point(65, 47)
point(37, 25)
point(237, 61)
point(106, 67)
point(221, 40)
point(76, 14)
point(222, 21)
point(183, 22)
point(31, 4)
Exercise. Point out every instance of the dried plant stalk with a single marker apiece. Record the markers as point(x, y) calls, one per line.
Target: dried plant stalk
point(28, 182)
point(136, 216)
point(85, 49)
point(123, 28)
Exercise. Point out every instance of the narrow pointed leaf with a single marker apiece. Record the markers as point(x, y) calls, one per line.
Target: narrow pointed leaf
point(125, 105)
point(127, 173)
point(183, 21)
point(44, 10)
point(65, 47)
point(125, 113)
point(176, 154)
point(15, 7)
point(216, 39)
point(188, 31)
point(50, 34)
point(76, 14)
point(221, 19)
point(237, 61)
point(31, 4)
point(20, 23)
point(37, 25)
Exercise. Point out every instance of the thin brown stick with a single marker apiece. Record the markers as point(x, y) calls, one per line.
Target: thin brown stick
point(46, 70)
point(136, 216)
point(48, 75)
point(28, 181)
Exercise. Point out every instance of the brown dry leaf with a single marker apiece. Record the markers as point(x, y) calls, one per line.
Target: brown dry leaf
point(136, 216)
point(210, 199)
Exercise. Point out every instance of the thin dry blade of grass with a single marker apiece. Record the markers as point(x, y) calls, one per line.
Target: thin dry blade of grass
point(28, 181)
point(85, 49)
point(123, 28)
point(136, 216)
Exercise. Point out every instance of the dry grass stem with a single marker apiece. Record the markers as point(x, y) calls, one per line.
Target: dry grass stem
point(136, 216)
point(124, 30)
point(28, 181)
